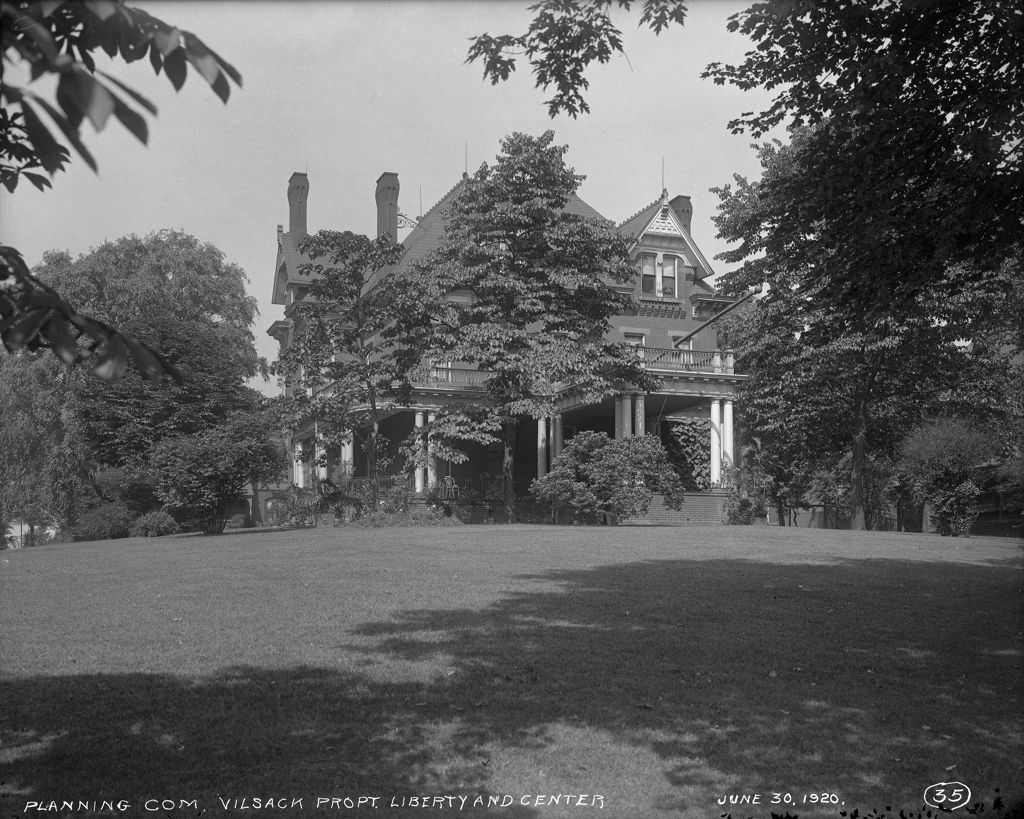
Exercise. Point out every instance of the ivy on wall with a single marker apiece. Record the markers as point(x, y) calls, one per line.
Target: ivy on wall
point(687, 441)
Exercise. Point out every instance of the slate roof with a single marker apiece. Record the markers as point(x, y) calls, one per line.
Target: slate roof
point(428, 234)
point(636, 223)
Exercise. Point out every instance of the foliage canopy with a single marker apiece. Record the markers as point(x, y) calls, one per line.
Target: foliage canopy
point(522, 288)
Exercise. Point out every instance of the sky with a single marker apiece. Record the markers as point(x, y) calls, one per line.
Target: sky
point(347, 90)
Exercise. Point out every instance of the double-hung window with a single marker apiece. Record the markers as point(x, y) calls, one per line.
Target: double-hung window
point(669, 271)
point(648, 274)
point(659, 275)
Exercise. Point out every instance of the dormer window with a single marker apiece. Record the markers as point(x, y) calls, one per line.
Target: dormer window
point(659, 275)
point(648, 274)
point(669, 271)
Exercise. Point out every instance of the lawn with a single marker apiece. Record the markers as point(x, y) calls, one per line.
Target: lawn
point(647, 671)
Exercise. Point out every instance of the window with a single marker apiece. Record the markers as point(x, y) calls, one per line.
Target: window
point(669, 268)
point(648, 278)
point(637, 340)
point(659, 275)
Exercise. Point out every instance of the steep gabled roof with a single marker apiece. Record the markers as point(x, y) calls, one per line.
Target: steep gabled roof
point(650, 220)
point(636, 224)
point(578, 207)
point(428, 234)
point(429, 231)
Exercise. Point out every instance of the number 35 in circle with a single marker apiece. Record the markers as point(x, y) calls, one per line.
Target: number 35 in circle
point(947, 795)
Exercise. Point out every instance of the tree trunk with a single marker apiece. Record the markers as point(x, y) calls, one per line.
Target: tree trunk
point(371, 462)
point(508, 471)
point(859, 454)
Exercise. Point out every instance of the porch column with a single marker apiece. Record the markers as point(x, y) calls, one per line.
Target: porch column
point(431, 460)
point(348, 455)
point(727, 433)
point(639, 414)
point(716, 441)
point(542, 447)
point(298, 471)
point(318, 454)
point(623, 416)
point(556, 435)
point(420, 474)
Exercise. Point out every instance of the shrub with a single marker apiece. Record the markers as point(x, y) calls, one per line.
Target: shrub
point(953, 511)
point(411, 517)
point(239, 521)
point(103, 522)
point(135, 486)
point(943, 459)
point(613, 478)
point(155, 524)
point(686, 442)
point(737, 511)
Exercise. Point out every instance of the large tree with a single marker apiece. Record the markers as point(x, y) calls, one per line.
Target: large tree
point(915, 159)
point(43, 471)
point(344, 373)
point(829, 378)
point(59, 39)
point(178, 295)
point(522, 289)
point(202, 475)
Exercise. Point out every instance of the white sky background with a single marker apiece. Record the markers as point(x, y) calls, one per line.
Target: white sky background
point(348, 90)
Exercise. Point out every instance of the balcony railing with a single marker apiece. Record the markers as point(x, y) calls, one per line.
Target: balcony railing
point(687, 361)
point(455, 378)
point(654, 358)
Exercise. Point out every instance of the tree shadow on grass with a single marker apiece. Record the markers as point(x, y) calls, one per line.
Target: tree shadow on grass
point(662, 685)
point(870, 678)
point(244, 733)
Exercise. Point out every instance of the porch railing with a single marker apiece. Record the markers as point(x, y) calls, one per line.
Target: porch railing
point(654, 358)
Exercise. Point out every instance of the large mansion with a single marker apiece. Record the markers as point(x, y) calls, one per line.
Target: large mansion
point(673, 303)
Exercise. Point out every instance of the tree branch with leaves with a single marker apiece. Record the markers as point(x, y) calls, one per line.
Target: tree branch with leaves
point(59, 39)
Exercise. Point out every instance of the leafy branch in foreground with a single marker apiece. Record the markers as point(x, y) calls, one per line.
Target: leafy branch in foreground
point(34, 316)
point(59, 39)
point(563, 39)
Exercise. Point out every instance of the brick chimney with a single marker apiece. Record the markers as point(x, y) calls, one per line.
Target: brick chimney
point(681, 205)
point(298, 193)
point(387, 205)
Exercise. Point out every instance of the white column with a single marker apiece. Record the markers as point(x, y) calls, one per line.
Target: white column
point(431, 460)
point(298, 469)
point(727, 442)
point(556, 435)
point(319, 461)
point(420, 474)
point(639, 413)
point(623, 416)
point(716, 442)
point(348, 454)
point(542, 447)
